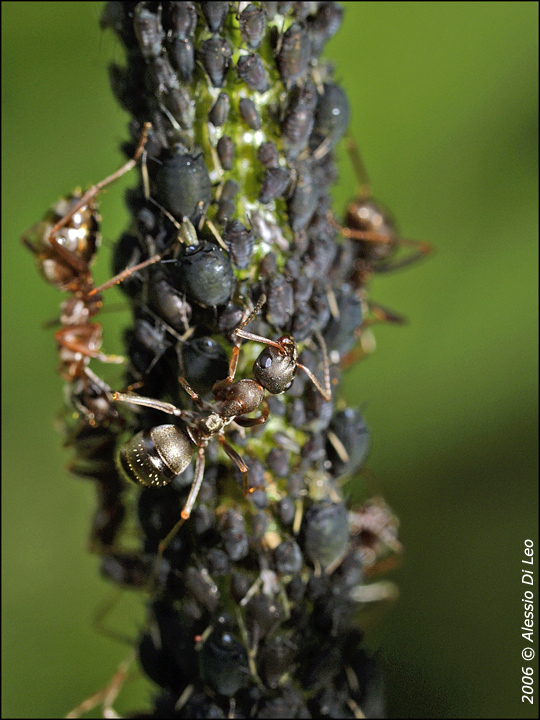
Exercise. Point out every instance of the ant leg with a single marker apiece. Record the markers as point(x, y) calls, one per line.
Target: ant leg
point(421, 247)
point(237, 460)
point(188, 507)
point(95, 189)
point(102, 612)
point(117, 279)
point(165, 407)
point(186, 236)
point(252, 422)
point(61, 337)
point(383, 266)
point(383, 315)
point(251, 315)
point(107, 695)
point(325, 391)
point(190, 391)
point(364, 185)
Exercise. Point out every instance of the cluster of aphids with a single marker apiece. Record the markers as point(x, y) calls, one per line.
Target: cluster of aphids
point(233, 244)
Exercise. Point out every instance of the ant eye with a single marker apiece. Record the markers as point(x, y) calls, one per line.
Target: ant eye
point(265, 359)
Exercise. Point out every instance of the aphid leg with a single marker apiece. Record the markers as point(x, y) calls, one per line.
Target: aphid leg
point(95, 189)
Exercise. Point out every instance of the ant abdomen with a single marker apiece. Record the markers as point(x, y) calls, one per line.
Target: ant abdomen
point(156, 456)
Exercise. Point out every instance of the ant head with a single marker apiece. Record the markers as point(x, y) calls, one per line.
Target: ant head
point(275, 368)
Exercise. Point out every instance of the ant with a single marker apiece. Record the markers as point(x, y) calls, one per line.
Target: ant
point(64, 244)
point(156, 456)
point(372, 225)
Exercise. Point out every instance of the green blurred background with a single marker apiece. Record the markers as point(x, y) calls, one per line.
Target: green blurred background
point(444, 107)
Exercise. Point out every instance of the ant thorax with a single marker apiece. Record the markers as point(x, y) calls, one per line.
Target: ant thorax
point(209, 422)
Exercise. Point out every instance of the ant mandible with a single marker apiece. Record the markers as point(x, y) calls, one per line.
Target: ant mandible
point(154, 457)
point(63, 255)
point(372, 225)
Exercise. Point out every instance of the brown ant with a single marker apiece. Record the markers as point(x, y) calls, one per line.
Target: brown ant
point(156, 456)
point(372, 225)
point(64, 244)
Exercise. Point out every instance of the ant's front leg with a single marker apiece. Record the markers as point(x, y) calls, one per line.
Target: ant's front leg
point(253, 422)
point(95, 189)
point(165, 407)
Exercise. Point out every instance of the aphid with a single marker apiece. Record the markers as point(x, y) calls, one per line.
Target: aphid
point(348, 442)
point(203, 363)
point(223, 662)
point(268, 155)
point(215, 55)
point(203, 271)
point(252, 22)
point(202, 588)
point(219, 112)
point(374, 229)
point(331, 120)
point(154, 457)
point(288, 558)
point(274, 184)
point(274, 661)
point(148, 30)
point(303, 202)
point(295, 53)
point(183, 57)
point(183, 186)
point(182, 19)
point(324, 24)
point(215, 14)
point(250, 114)
point(326, 533)
point(280, 301)
point(225, 151)
point(233, 533)
point(251, 70)
point(169, 303)
point(64, 244)
point(239, 241)
point(226, 207)
point(299, 118)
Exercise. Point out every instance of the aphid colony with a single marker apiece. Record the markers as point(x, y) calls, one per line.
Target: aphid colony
point(232, 244)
